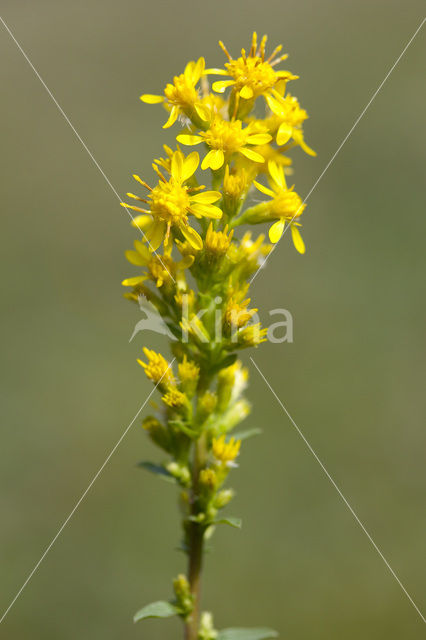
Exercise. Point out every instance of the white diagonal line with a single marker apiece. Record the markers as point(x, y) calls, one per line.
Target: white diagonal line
point(80, 139)
point(84, 494)
point(345, 139)
point(339, 492)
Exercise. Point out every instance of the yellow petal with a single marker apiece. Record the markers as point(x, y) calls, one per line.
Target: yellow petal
point(172, 117)
point(246, 92)
point(141, 222)
point(192, 236)
point(188, 140)
point(297, 239)
point(155, 234)
point(135, 258)
point(198, 70)
point(277, 174)
point(206, 197)
point(216, 72)
point(214, 159)
point(263, 189)
point(274, 105)
point(276, 231)
point(298, 138)
point(177, 166)
point(186, 262)
point(150, 99)
point(208, 210)
point(284, 133)
point(202, 111)
point(220, 85)
point(252, 155)
point(142, 250)
point(131, 282)
point(188, 71)
point(259, 138)
point(190, 165)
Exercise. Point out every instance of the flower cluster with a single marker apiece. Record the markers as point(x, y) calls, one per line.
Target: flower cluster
point(194, 268)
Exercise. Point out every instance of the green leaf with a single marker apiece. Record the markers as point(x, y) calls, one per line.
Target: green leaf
point(248, 433)
point(160, 609)
point(247, 634)
point(233, 522)
point(158, 469)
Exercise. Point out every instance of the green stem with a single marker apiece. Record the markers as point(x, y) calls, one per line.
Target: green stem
point(196, 544)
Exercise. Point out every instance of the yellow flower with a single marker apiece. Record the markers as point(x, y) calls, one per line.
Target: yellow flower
point(286, 205)
point(287, 120)
point(225, 452)
point(225, 138)
point(217, 242)
point(252, 335)
point(235, 182)
point(268, 152)
point(171, 202)
point(182, 97)
point(252, 75)
point(161, 269)
point(188, 370)
point(236, 314)
point(157, 369)
point(174, 398)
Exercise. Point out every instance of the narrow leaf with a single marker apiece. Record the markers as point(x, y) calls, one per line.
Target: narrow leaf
point(248, 433)
point(157, 469)
point(158, 609)
point(247, 634)
point(233, 522)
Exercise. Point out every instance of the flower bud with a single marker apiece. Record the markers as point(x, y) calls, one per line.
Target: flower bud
point(180, 472)
point(206, 405)
point(183, 594)
point(223, 498)
point(157, 432)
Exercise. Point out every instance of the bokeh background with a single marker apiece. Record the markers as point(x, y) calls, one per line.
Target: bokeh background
point(353, 379)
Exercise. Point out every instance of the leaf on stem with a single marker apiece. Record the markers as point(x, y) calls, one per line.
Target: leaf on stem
point(160, 609)
point(157, 469)
point(247, 634)
point(232, 522)
point(248, 433)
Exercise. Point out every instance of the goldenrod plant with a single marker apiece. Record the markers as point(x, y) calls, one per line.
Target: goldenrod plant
point(194, 269)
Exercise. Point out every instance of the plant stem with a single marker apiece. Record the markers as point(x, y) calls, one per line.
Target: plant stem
point(196, 543)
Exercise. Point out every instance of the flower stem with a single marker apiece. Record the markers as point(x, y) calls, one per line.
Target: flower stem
point(196, 544)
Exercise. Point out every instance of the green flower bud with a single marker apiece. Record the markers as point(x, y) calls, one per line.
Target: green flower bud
point(180, 472)
point(183, 595)
point(223, 498)
point(157, 432)
point(207, 631)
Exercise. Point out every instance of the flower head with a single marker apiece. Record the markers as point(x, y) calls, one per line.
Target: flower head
point(157, 368)
point(181, 96)
point(252, 75)
point(172, 201)
point(226, 137)
point(160, 269)
point(286, 205)
point(217, 242)
point(237, 314)
point(287, 120)
point(225, 452)
point(174, 398)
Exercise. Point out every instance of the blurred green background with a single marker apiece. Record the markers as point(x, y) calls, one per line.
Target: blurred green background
point(353, 379)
